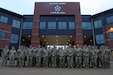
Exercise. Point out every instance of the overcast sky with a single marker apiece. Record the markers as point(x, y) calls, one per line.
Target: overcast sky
point(27, 6)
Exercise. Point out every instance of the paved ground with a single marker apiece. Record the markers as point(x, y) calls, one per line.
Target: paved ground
point(54, 71)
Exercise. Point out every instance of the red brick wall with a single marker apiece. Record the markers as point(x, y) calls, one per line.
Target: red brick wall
point(45, 8)
point(7, 29)
point(108, 42)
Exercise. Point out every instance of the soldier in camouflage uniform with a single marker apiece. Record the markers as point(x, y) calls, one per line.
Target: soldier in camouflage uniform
point(12, 54)
point(93, 56)
point(70, 54)
point(29, 56)
point(86, 53)
point(45, 56)
point(53, 56)
point(22, 54)
point(78, 56)
point(74, 51)
point(107, 57)
point(62, 57)
point(38, 56)
point(5, 55)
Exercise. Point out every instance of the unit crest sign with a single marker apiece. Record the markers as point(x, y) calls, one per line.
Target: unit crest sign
point(57, 9)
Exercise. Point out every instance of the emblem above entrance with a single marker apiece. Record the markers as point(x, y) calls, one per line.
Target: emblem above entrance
point(57, 8)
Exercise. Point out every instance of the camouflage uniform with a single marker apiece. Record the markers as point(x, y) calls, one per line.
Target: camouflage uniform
point(38, 57)
point(22, 55)
point(93, 56)
point(53, 57)
point(45, 57)
point(62, 57)
point(5, 55)
point(106, 58)
point(70, 54)
point(86, 54)
point(29, 56)
point(78, 57)
point(12, 55)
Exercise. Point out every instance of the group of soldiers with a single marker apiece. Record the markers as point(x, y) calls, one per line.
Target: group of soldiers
point(70, 57)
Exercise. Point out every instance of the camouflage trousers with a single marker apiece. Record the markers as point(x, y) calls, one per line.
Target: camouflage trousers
point(78, 60)
point(62, 61)
point(86, 61)
point(38, 61)
point(70, 61)
point(29, 61)
point(105, 62)
point(45, 61)
point(53, 61)
point(21, 61)
point(12, 60)
point(93, 60)
point(5, 59)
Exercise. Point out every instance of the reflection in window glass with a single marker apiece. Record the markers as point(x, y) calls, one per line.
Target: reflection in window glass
point(14, 38)
point(27, 25)
point(97, 24)
point(2, 34)
point(110, 19)
point(16, 24)
point(51, 25)
point(3, 19)
point(111, 35)
point(86, 25)
point(62, 25)
point(42, 25)
point(100, 39)
point(71, 25)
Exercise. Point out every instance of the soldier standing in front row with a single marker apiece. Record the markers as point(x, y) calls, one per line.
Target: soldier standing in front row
point(29, 56)
point(38, 56)
point(78, 56)
point(45, 57)
point(12, 55)
point(54, 57)
point(86, 53)
point(5, 55)
point(70, 56)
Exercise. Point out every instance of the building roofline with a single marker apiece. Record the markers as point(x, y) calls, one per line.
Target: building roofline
point(10, 12)
point(102, 13)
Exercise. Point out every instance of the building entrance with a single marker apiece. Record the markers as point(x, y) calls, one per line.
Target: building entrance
point(56, 40)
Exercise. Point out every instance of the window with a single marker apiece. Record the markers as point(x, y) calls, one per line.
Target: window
point(100, 39)
point(111, 35)
point(62, 25)
point(97, 24)
point(16, 24)
point(86, 25)
point(3, 19)
point(71, 25)
point(14, 38)
point(42, 25)
point(51, 25)
point(27, 25)
point(2, 34)
point(110, 19)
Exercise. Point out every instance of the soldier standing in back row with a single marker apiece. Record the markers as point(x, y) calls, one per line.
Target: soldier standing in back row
point(5, 55)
